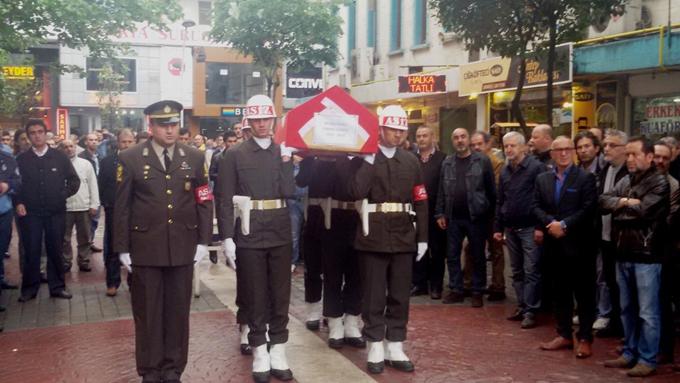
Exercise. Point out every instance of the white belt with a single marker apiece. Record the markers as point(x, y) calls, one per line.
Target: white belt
point(268, 204)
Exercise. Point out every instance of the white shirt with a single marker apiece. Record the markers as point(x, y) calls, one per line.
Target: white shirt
point(41, 152)
point(388, 152)
point(87, 196)
point(264, 143)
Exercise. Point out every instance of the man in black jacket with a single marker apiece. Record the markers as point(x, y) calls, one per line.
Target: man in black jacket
point(431, 268)
point(48, 179)
point(564, 205)
point(465, 201)
point(639, 205)
point(107, 196)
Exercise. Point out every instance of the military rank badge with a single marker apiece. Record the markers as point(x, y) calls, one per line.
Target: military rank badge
point(119, 173)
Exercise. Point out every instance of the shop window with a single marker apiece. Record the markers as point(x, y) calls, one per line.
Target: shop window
point(351, 28)
point(125, 68)
point(204, 12)
point(395, 26)
point(420, 22)
point(371, 29)
point(656, 117)
point(233, 84)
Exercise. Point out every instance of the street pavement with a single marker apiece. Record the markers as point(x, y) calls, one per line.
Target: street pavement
point(91, 339)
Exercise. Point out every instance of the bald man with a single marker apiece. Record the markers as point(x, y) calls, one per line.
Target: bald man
point(565, 202)
point(540, 143)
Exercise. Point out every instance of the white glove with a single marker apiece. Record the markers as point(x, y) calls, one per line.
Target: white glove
point(286, 151)
point(126, 261)
point(201, 252)
point(229, 248)
point(370, 158)
point(422, 249)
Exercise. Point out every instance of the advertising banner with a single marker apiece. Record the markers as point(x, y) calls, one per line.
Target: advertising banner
point(62, 123)
point(422, 83)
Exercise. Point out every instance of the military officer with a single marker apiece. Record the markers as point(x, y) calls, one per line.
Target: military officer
point(162, 225)
point(392, 184)
point(261, 172)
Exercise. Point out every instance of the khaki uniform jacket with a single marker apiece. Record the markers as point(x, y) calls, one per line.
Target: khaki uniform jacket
point(157, 216)
point(391, 180)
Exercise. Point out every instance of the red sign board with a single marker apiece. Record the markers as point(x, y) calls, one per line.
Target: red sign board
point(62, 123)
point(422, 83)
point(332, 121)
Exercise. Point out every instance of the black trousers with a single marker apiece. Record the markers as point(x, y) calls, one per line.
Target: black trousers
point(669, 274)
point(111, 260)
point(312, 245)
point(609, 269)
point(574, 276)
point(161, 300)
point(33, 229)
point(386, 285)
point(431, 267)
point(242, 306)
point(341, 276)
point(265, 274)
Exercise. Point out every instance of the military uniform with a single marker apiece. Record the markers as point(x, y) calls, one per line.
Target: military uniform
point(161, 214)
point(263, 256)
point(386, 253)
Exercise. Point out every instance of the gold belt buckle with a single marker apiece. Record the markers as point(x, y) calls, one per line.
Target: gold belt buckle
point(269, 204)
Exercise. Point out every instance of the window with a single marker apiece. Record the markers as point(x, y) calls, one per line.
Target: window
point(126, 68)
point(228, 83)
point(204, 13)
point(420, 22)
point(351, 27)
point(371, 29)
point(395, 27)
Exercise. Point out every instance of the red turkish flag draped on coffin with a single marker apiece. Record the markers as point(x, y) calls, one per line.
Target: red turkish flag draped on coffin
point(332, 121)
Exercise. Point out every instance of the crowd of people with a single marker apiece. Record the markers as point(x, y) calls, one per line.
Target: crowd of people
point(586, 223)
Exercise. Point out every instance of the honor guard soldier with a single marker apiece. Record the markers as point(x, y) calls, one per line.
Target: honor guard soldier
point(390, 183)
point(257, 177)
point(162, 225)
point(332, 222)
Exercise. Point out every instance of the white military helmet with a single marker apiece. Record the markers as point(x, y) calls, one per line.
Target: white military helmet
point(393, 116)
point(260, 106)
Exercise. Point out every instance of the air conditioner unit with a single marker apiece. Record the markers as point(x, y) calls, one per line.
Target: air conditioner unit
point(628, 18)
point(379, 72)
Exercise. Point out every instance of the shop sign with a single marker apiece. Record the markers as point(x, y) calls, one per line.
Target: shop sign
point(422, 83)
point(306, 83)
point(62, 123)
point(662, 116)
point(233, 111)
point(21, 72)
point(499, 74)
point(175, 66)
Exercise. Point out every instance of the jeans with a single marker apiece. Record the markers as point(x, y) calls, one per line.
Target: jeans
point(604, 303)
point(639, 285)
point(457, 230)
point(297, 217)
point(525, 265)
point(5, 238)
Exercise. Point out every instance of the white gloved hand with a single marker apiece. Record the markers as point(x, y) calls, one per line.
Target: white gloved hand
point(370, 158)
point(422, 249)
point(229, 248)
point(286, 151)
point(201, 252)
point(126, 261)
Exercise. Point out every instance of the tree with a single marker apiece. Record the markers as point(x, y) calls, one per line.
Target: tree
point(111, 83)
point(20, 97)
point(297, 32)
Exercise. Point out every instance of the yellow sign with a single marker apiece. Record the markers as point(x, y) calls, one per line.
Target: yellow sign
point(484, 76)
point(583, 100)
point(18, 72)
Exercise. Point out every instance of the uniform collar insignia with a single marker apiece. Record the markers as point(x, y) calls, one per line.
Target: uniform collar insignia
point(181, 152)
point(145, 152)
point(185, 166)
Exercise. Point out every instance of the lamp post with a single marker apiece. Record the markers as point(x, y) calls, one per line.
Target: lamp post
point(186, 24)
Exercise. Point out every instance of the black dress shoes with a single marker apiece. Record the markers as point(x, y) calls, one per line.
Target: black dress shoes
point(25, 298)
point(246, 349)
point(213, 257)
point(436, 294)
point(336, 343)
point(261, 377)
point(282, 375)
point(85, 269)
point(418, 290)
point(95, 249)
point(516, 316)
point(7, 286)
point(313, 325)
point(355, 342)
point(63, 294)
point(376, 368)
point(401, 365)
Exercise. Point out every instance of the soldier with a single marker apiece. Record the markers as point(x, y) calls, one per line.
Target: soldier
point(392, 183)
point(331, 223)
point(261, 173)
point(162, 225)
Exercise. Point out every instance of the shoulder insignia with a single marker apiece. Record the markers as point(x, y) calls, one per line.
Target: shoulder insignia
point(145, 152)
point(119, 173)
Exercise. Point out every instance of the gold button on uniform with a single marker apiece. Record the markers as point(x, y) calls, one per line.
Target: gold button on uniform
point(170, 206)
point(170, 220)
point(167, 176)
point(168, 192)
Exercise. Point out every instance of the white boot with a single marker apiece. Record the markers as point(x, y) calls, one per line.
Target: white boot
point(352, 332)
point(314, 313)
point(376, 357)
point(335, 333)
point(395, 357)
point(261, 359)
point(279, 362)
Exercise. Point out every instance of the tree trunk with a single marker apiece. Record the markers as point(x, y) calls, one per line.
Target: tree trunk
point(551, 67)
point(516, 109)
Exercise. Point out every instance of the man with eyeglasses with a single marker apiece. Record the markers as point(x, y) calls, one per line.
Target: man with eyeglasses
point(564, 205)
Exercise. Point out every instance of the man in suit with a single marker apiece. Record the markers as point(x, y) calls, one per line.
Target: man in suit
point(564, 204)
point(107, 197)
point(162, 225)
